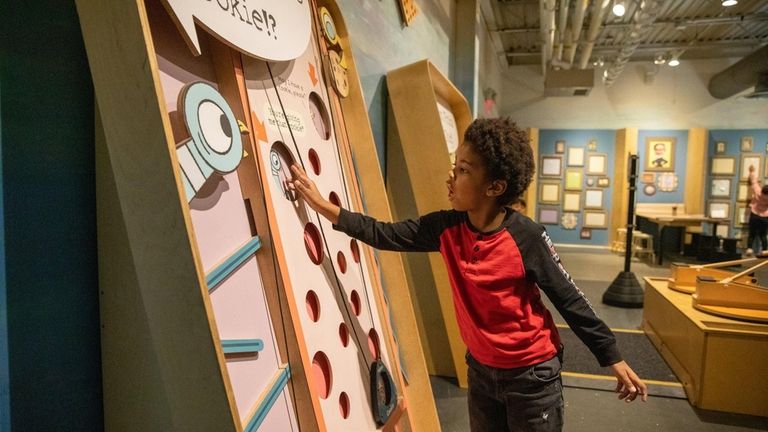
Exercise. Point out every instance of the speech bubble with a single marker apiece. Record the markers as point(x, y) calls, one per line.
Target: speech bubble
point(269, 30)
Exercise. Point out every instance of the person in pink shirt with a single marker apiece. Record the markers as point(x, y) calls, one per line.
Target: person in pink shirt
point(758, 215)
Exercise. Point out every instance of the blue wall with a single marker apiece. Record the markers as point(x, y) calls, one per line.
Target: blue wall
point(5, 401)
point(732, 138)
point(381, 42)
point(49, 211)
point(681, 149)
point(579, 138)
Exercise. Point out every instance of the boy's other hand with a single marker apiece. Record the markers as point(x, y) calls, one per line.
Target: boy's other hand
point(629, 385)
point(308, 190)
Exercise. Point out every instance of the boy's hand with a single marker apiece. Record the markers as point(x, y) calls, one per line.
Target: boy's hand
point(308, 190)
point(629, 385)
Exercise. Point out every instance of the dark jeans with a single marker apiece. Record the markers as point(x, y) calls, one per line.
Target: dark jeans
point(526, 399)
point(758, 228)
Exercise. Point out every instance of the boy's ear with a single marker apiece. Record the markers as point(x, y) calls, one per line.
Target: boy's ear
point(497, 187)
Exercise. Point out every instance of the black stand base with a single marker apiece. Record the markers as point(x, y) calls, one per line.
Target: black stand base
point(625, 291)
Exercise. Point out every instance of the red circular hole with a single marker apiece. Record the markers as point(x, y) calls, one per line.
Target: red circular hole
point(314, 160)
point(321, 372)
point(313, 306)
point(342, 261)
point(373, 343)
point(355, 250)
point(313, 243)
point(344, 405)
point(344, 334)
point(355, 299)
point(334, 199)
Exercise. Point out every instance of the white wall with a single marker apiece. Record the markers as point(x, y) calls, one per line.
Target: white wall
point(676, 98)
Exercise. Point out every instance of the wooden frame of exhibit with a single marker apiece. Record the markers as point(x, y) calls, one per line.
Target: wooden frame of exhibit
point(683, 276)
point(165, 363)
point(416, 134)
point(708, 352)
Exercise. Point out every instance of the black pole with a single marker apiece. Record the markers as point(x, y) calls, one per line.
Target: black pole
point(625, 290)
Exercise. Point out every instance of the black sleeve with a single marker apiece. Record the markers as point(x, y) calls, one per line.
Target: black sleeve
point(543, 267)
point(420, 235)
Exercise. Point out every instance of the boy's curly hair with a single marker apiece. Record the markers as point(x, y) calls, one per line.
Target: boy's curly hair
point(506, 152)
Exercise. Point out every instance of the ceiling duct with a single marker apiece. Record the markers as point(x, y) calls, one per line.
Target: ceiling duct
point(642, 23)
point(569, 82)
point(761, 88)
point(745, 73)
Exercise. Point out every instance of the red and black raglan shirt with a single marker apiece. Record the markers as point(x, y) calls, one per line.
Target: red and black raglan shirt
point(495, 278)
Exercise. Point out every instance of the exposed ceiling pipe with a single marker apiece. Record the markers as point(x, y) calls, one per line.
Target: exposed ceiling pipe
point(598, 10)
point(642, 20)
point(547, 19)
point(739, 76)
point(575, 33)
point(562, 29)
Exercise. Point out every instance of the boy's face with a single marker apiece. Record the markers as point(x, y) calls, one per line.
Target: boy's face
point(468, 183)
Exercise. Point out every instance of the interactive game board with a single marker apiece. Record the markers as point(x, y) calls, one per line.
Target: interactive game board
point(228, 304)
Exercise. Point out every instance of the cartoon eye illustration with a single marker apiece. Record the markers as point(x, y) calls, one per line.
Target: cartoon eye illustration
point(215, 127)
point(215, 143)
point(280, 160)
point(329, 28)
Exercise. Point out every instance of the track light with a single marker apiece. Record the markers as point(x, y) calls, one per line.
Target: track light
point(673, 62)
point(599, 62)
point(659, 59)
point(727, 3)
point(619, 9)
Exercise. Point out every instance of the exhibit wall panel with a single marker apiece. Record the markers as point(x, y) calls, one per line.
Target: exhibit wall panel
point(5, 403)
point(49, 219)
point(678, 165)
point(578, 138)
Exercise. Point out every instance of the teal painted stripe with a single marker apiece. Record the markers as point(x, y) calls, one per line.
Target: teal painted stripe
point(269, 400)
point(217, 275)
point(238, 346)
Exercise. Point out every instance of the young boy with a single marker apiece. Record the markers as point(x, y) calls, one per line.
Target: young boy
point(497, 260)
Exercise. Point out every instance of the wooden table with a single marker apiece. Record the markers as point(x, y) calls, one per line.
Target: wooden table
point(682, 221)
point(719, 361)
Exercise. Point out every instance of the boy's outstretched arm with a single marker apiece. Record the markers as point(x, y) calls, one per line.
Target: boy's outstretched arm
point(543, 266)
point(308, 190)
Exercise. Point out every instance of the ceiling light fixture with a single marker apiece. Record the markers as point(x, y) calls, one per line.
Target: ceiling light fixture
point(728, 3)
point(673, 62)
point(619, 9)
point(599, 62)
point(659, 59)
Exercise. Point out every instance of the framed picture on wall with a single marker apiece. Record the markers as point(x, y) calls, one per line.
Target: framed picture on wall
point(573, 179)
point(593, 199)
point(559, 146)
point(723, 165)
point(595, 219)
point(719, 209)
point(742, 215)
point(549, 192)
point(660, 153)
point(748, 160)
point(648, 177)
point(603, 182)
point(747, 143)
point(720, 188)
point(743, 193)
point(766, 167)
point(575, 156)
point(551, 166)
point(592, 145)
point(720, 147)
point(549, 216)
point(597, 163)
point(572, 201)
point(585, 233)
point(722, 230)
